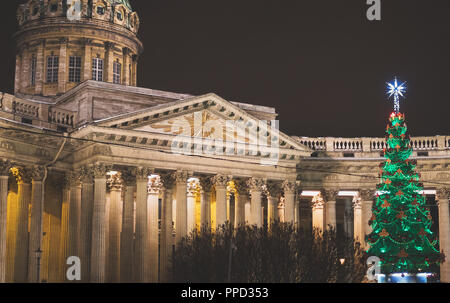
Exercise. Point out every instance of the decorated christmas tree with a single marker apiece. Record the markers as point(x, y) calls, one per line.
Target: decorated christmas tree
point(401, 223)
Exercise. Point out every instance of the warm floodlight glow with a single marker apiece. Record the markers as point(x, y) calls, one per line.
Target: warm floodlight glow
point(347, 193)
point(310, 193)
point(427, 192)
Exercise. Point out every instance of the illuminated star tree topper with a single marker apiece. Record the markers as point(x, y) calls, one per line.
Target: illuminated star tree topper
point(397, 90)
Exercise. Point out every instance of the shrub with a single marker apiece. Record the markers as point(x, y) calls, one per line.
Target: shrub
point(282, 254)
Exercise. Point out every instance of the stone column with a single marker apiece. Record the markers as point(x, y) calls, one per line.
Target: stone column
point(367, 197)
point(168, 181)
point(255, 186)
point(191, 213)
point(330, 207)
point(358, 232)
point(87, 207)
point(127, 235)
point(181, 206)
point(98, 246)
point(74, 213)
point(126, 66)
point(443, 195)
point(206, 184)
point(62, 69)
point(18, 73)
point(64, 237)
point(273, 196)
point(220, 185)
point(142, 235)
point(240, 200)
point(133, 79)
point(25, 77)
point(36, 224)
point(154, 188)
point(109, 61)
point(318, 214)
point(20, 225)
point(40, 68)
point(289, 195)
point(5, 165)
point(348, 217)
point(281, 209)
point(115, 226)
point(87, 59)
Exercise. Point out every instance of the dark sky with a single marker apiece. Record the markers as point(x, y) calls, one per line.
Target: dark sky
point(321, 64)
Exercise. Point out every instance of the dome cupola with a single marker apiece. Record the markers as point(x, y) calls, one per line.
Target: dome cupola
point(61, 43)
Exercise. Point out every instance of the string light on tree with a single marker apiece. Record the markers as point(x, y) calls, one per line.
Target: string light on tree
point(401, 223)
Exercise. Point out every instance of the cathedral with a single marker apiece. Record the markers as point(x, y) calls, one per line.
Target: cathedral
point(96, 169)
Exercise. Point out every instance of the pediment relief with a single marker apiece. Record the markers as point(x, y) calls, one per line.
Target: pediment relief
point(202, 124)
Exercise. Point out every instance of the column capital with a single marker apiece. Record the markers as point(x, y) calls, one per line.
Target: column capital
point(115, 182)
point(442, 194)
point(241, 187)
point(87, 174)
point(273, 189)
point(126, 51)
point(64, 40)
point(330, 194)
point(154, 185)
point(192, 187)
point(109, 45)
point(220, 180)
point(5, 166)
point(367, 194)
point(86, 41)
point(99, 170)
point(23, 175)
point(181, 177)
point(167, 180)
point(256, 184)
point(317, 202)
point(206, 184)
point(74, 178)
point(356, 202)
point(129, 179)
point(37, 173)
point(142, 173)
point(289, 186)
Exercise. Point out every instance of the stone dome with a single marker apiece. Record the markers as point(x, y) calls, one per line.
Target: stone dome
point(57, 49)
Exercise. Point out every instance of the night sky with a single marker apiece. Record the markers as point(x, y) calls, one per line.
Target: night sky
point(321, 64)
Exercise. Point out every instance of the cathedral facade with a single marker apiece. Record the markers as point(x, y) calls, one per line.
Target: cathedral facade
point(96, 168)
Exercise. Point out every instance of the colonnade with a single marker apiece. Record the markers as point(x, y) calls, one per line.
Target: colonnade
point(124, 223)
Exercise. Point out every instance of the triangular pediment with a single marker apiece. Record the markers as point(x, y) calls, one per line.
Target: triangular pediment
point(207, 117)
